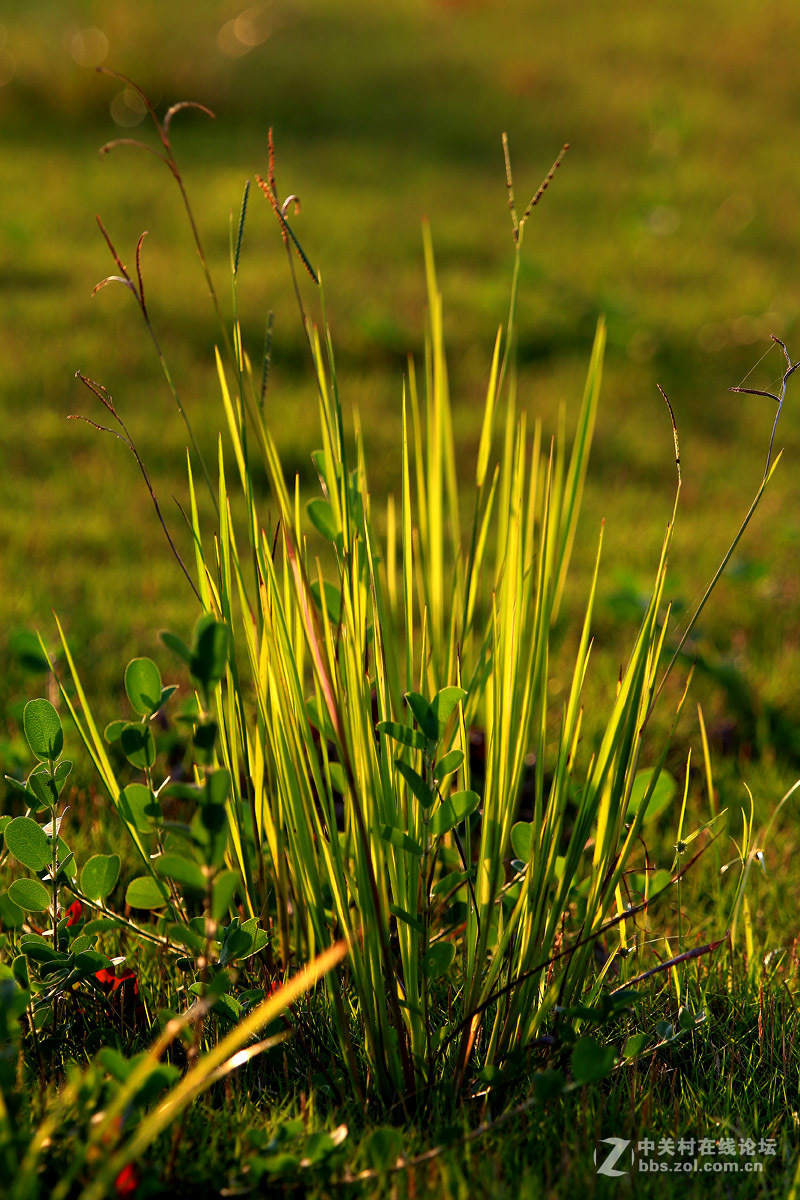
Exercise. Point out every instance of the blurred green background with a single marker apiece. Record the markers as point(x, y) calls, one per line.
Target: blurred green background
point(675, 214)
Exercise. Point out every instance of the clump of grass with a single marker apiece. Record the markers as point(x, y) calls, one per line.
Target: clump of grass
point(334, 811)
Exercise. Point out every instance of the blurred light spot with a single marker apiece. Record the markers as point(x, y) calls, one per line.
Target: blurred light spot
point(664, 220)
point(666, 143)
point(641, 347)
point(736, 212)
point(744, 331)
point(89, 47)
point(128, 108)
point(228, 42)
point(252, 27)
point(713, 338)
point(8, 67)
point(769, 323)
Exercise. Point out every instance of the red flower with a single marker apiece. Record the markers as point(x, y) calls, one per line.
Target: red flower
point(127, 1181)
point(109, 979)
point(74, 912)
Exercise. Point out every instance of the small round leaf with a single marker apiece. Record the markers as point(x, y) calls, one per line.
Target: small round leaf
point(28, 843)
point(182, 870)
point(100, 875)
point(145, 892)
point(138, 745)
point(30, 894)
point(210, 652)
point(41, 788)
point(590, 1061)
point(143, 685)
point(139, 807)
point(43, 732)
point(438, 960)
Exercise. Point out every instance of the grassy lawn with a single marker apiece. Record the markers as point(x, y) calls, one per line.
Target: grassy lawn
point(673, 216)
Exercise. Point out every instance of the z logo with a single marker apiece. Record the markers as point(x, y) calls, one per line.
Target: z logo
point(608, 1164)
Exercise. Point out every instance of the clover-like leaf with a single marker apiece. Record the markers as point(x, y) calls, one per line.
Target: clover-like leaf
point(438, 960)
point(664, 790)
point(182, 870)
point(321, 516)
point(591, 1061)
point(138, 745)
point(423, 715)
point(402, 733)
point(99, 876)
point(454, 811)
point(445, 703)
point(28, 843)
point(145, 892)
point(209, 652)
point(143, 685)
point(139, 807)
point(30, 894)
point(43, 731)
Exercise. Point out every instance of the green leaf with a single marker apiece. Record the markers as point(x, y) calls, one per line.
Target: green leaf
point(41, 952)
point(447, 764)
point(21, 787)
point(182, 791)
point(438, 960)
point(225, 1006)
point(177, 646)
point(664, 792)
point(218, 787)
point(89, 962)
point(30, 894)
point(416, 783)
point(382, 1148)
point(139, 807)
point(400, 839)
point(205, 737)
point(406, 918)
point(42, 787)
point(99, 876)
point(448, 882)
point(25, 649)
point(321, 517)
point(635, 1045)
point(338, 780)
point(11, 914)
point(241, 941)
point(521, 835)
point(333, 600)
point(143, 685)
point(166, 692)
point(423, 715)
point(591, 1061)
point(209, 652)
point(225, 886)
point(138, 745)
point(402, 733)
point(144, 892)
point(43, 732)
point(453, 812)
point(62, 773)
point(113, 731)
point(210, 832)
point(319, 719)
point(445, 704)
point(29, 844)
point(182, 870)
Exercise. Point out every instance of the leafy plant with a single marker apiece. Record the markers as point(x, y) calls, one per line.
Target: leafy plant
point(339, 663)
